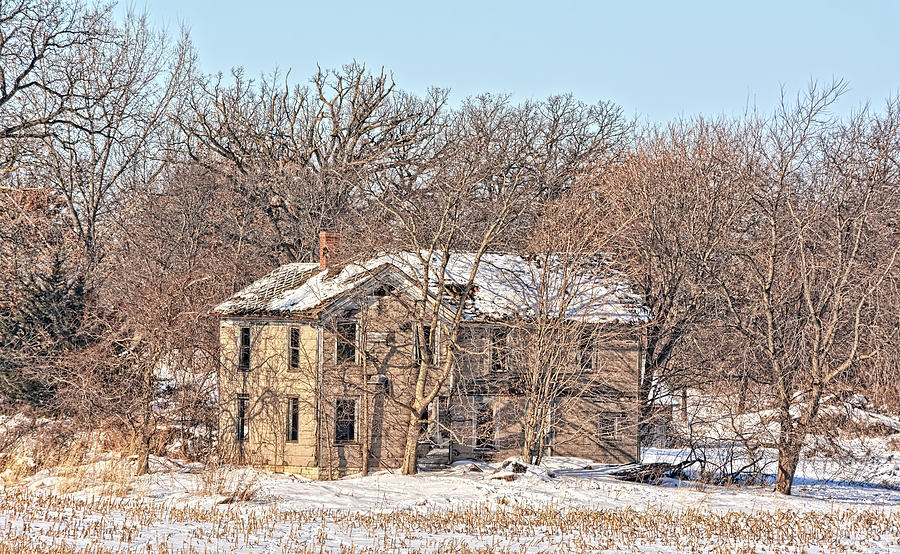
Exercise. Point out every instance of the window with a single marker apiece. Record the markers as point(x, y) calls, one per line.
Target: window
point(242, 426)
point(344, 420)
point(294, 349)
point(498, 350)
point(383, 290)
point(609, 425)
point(345, 348)
point(484, 426)
point(586, 351)
point(422, 351)
point(293, 419)
point(244, 350)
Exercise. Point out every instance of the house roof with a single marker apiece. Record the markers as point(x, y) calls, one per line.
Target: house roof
point(505, 285)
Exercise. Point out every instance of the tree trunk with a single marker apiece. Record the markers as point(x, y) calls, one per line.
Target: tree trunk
point(788, 458)
point(143, 461)
point(412, 441)
point(366, 428)
point(528, 446)
point(539, 449)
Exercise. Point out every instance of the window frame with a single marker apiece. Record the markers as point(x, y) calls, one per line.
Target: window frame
point(245, 351)
point(499, 344)
point(587, 351)
point(485, 441)
point(609, 425)
point(342, 343)
point(292, 433)
point(354, 427)
point(430, 347)
point(242, 417)
point(293, 361)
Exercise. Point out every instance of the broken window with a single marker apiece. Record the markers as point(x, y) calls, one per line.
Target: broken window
point(344, 420)
point(499, 351)
point(242, 426)
point(345, 347)
point(484, 426)
point(244, 350)
point(423, 350)
point(587, 351)
point(294, 349)
point(609, 425)
point(383, 290)
point(293, 419)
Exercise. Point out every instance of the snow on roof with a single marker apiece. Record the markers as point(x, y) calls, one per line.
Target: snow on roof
point(504, 285)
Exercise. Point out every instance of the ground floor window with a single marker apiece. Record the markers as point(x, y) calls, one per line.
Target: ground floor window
point(344, 420)
point(609, 425)
point(484, 426)
point(242, 419)
point(293, 419)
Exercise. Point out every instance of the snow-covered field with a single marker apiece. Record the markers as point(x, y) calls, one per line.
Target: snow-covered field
point(565, 505)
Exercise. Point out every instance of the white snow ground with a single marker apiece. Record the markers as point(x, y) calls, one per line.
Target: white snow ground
point(560, 506)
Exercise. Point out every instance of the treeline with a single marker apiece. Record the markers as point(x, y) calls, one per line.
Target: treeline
point(137, 191)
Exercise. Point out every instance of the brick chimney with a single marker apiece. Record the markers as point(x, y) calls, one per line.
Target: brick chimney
point(329, 247)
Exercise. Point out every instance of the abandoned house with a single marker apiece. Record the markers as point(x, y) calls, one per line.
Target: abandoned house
point(317, 362)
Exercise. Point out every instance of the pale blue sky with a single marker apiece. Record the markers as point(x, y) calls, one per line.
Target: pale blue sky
point(658, 60)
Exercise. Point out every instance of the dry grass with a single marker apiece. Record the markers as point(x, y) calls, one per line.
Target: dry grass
point(894, 443)
point(230, 483)
point(63, 524)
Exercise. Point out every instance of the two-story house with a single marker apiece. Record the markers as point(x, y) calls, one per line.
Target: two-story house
point(318, 363)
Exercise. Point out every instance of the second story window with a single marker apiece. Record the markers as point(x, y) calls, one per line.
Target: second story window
point(345, 349)
point(499, 352)
point(244, 350)
point(586, 351)
point(294, 349)
point(422, 344)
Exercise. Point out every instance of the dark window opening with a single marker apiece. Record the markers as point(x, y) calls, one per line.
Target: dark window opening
point(383, 290)
point(244, 350)
point(242, 420)
point(294, 349)
point(456, 290)
point(610, 424)
point(484, 427)
point(586, 351)
point(499, 351)
point(423, 351)
point(346, 342)
point(293, 422)
point(344, 420)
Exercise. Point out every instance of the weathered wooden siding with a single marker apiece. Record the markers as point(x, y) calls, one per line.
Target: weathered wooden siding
point(381, 380)
point(268, 386)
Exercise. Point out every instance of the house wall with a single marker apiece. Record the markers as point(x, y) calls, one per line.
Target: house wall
point(380, 380)
point(608, 397)
point(268, 385)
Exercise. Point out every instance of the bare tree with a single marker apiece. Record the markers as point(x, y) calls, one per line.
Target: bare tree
point(128, 86)
point(482, 176)
point(297, 152)
point(809, 255)
point(573, 302)
point(41, 71)
point(675, 204)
